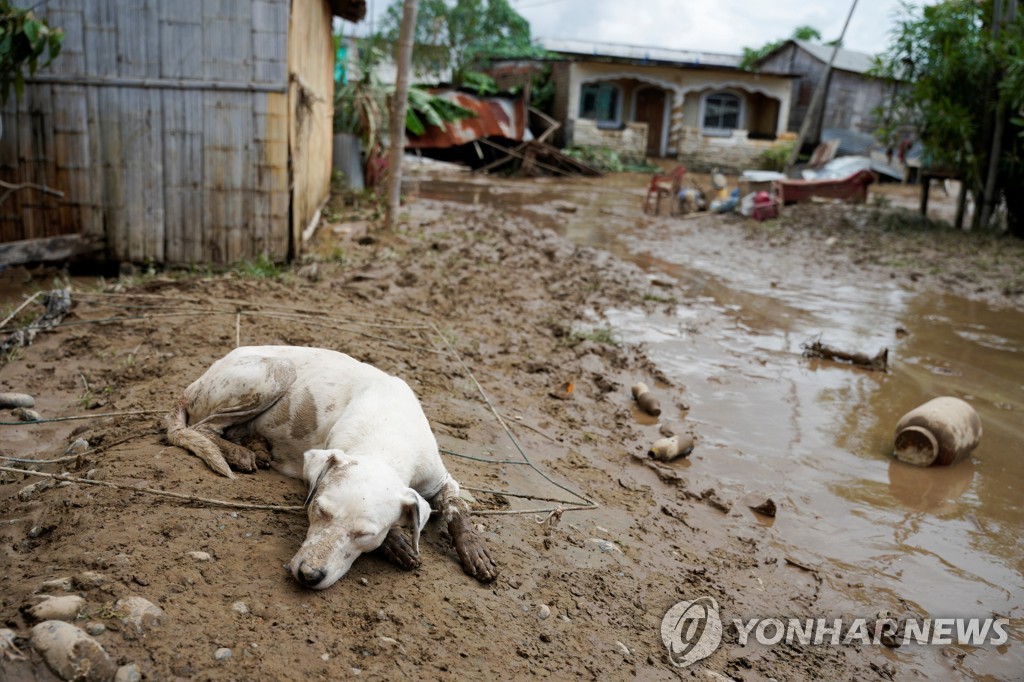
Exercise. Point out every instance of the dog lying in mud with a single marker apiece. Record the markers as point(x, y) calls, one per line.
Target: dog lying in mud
point(356, 435)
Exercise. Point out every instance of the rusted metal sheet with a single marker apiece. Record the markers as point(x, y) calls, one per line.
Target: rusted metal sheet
point(495, 117)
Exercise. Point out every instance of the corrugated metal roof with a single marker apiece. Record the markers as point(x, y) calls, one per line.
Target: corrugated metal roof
point(495, 117)
point(639, 53)
point(846, 60)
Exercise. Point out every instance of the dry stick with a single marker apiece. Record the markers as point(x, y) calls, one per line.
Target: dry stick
point(160, 493)
point(548, 510)
point(84, 416)
point(511, 494)
point(20, 308)
point(508, 432)
point(238, 329)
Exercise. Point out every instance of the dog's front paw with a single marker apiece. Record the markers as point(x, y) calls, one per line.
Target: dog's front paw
point(397, 548)
point(476, 560)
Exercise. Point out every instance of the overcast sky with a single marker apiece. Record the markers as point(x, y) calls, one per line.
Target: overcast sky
point(713, 26)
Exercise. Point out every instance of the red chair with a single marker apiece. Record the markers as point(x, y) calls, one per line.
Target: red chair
point(665, 185)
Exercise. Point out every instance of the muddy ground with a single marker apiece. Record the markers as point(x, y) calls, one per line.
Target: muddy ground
point(517, 304)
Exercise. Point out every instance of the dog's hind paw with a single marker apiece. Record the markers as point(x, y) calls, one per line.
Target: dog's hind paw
point(397, 548)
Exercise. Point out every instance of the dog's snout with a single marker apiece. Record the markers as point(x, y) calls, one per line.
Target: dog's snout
point(310, 576)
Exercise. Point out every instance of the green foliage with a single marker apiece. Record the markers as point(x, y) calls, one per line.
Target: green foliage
point(952, 80)
point(775, 157)
point(461, 35)
point(361, 105)
point(260, 268)
point(427, 110)
point(25, 41)
point(751, 55)
point(602, 158)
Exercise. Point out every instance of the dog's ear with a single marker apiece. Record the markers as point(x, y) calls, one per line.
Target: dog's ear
point(315, 465)
point(415, 514)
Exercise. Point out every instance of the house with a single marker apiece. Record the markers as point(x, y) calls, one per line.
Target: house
point(178, 131)
point(649, 102)
point(852, 96)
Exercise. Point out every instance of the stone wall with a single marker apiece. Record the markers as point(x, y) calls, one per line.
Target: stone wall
point(732, 154)
point(630, 141)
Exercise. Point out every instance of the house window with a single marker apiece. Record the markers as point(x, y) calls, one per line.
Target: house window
point(722, 112)
point(601, 102)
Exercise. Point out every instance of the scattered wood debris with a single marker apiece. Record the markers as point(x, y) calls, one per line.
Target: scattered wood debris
point(817, 349)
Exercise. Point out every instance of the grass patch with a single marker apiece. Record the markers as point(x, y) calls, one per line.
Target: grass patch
point(259, 268)
point(601, 335)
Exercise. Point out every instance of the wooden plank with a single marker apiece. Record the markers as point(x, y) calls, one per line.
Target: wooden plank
point(138, 38)
point(183, 177)
point(94, 210)
point(181, 39)
point(152, 175)
point(100, 37)
point(112, 170)
point(60, 247)
point(68, 16)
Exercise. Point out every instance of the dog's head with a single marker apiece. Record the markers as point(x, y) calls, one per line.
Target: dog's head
point(352, 504)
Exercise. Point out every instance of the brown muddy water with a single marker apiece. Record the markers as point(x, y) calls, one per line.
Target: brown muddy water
point(815, 436)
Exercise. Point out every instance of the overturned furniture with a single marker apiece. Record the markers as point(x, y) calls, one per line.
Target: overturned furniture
point(853, 188)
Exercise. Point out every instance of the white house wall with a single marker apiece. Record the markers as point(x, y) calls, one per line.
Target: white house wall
point(679, 81)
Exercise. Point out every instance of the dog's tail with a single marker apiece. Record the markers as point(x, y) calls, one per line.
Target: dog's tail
point(195, 441)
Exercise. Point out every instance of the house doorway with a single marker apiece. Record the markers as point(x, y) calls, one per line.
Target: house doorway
point(650, 109)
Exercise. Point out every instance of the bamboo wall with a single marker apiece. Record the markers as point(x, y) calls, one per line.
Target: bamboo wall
point(166, 123)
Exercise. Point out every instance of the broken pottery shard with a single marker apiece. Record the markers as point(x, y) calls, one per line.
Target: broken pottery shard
point(564, 392)
point(767, 508)
point(12, 400)
point(72, 654)
point(667, 449)
point(140, 615)
point(646, 400)
point(941, 432)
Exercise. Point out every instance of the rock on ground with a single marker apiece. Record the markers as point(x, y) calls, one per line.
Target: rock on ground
point(72, 654)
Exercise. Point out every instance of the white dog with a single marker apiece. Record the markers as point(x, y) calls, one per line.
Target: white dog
point(355, 434)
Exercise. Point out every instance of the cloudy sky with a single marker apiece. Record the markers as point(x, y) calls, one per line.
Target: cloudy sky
point(715, 26)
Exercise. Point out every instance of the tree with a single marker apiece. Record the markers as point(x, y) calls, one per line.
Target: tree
point(24, 38)
point(462, 35)
point(752, 55)
point(958, 74)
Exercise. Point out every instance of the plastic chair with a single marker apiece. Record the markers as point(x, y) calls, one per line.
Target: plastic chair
point(665, 185)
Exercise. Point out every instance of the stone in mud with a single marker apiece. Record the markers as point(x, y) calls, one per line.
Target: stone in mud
point(201, 556)
point(64, 607)
point(29, 491)
point(86, 580)
point(128, 673)
point(9, 651)
point(72, 654)
point(56, 585)
point(27, 415)
point(95, 628)
point(240, 608)
point(222, 654)
point(77, 447)
point(12, 400)
point(140, 615)
point(544, 612)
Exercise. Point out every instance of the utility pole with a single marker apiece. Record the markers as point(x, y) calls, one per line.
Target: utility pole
point(819, 95)
point(398, 110)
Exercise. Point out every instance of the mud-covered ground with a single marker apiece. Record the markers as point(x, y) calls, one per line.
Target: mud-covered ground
point(514, 302)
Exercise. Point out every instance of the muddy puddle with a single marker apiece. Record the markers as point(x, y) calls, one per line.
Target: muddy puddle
point(815, 436)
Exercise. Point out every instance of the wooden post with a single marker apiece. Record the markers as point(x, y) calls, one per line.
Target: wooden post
point(819, 96)
point(398, 111)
